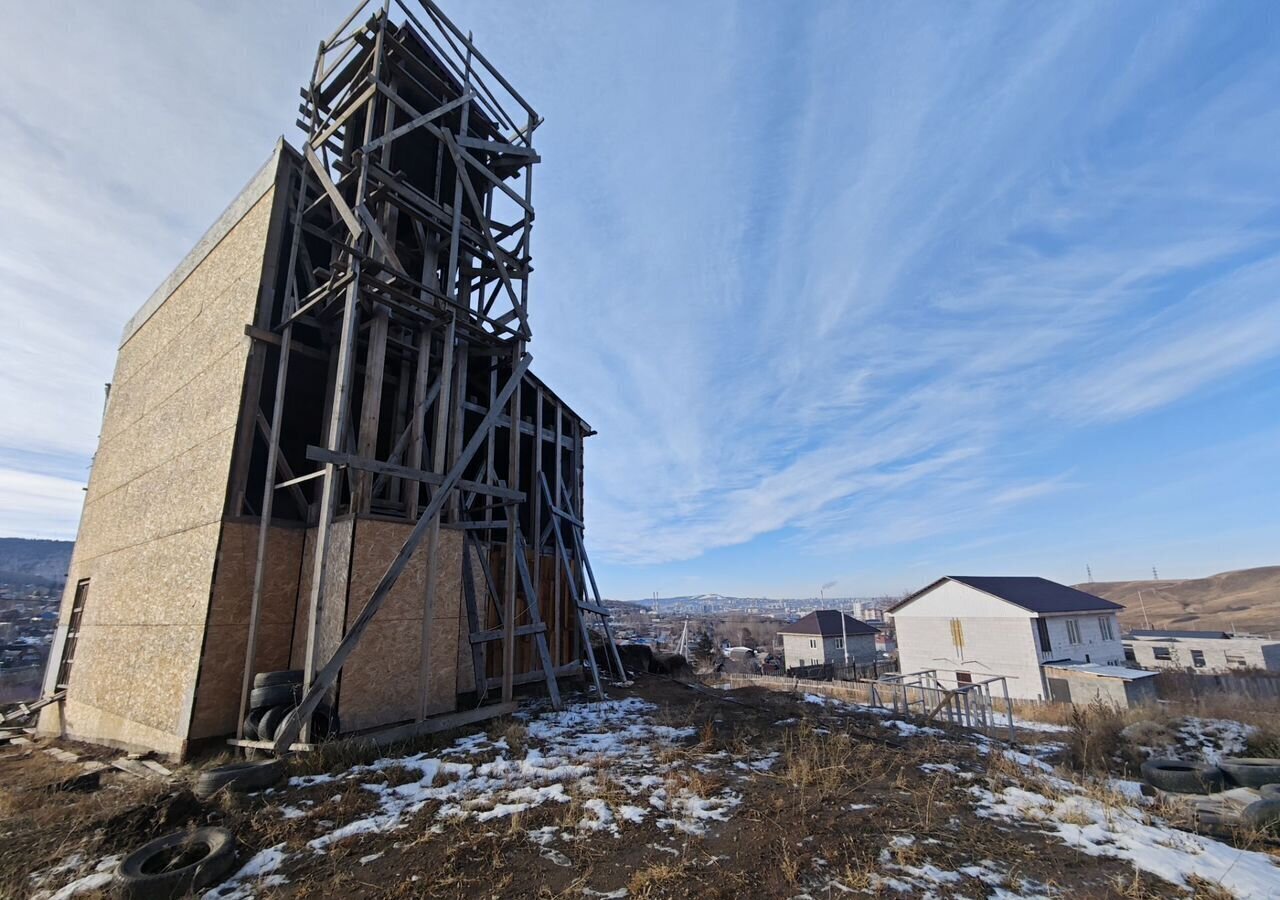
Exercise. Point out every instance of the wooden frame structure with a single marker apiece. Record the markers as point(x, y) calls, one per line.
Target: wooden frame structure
point(393, 358)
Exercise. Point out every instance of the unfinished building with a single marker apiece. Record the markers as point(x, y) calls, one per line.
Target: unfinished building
point(323, 447)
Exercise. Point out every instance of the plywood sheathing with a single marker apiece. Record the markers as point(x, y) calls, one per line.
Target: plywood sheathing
point(379, 683)
point(148, 537)
point(222, 666)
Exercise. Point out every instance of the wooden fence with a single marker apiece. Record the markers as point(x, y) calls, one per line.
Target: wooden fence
point(1189, 686)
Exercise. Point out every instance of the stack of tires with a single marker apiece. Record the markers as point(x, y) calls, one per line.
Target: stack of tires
point(1178, 776)
point(274, 696)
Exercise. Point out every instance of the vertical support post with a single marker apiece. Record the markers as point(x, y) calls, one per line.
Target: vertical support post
point(264, 527)
point(443, 411)
point(370, 409)
point(535, 519)
point(417, 427)
point(513, 523)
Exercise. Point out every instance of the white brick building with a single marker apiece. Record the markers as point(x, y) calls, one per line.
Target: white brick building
point(1209, 652)
point(971, 627)
point(819, 638)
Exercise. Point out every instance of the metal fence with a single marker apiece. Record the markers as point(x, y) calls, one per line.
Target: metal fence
point(980, 705)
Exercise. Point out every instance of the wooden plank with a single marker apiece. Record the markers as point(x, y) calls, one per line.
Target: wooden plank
point(350, 460)
point(157, 768)
point(564, 671)
point(540, 640)
point(418, 122)
point(573, 589)
point(331, 190)
point(473, 618)
point(370, 408)
point(329, 674)
point(436, 724)
point(513, 549)
point(133, 767)
point(497, 634)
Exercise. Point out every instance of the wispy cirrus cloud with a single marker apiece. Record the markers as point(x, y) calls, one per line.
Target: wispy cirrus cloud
point(846, 276)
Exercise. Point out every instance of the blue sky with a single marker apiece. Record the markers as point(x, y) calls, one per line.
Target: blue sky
point(853, 292)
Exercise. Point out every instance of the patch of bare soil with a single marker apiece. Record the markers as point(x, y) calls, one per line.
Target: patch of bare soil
point(826, 800)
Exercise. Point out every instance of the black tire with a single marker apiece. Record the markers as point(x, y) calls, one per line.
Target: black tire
point(239, 777)
point(1183, 776)
point(177, 864)
point(275, 695)
point(1250, 771)
point(1263, 815)
point(324, 724)
point(251, 724)
point(1270, 791)
point(270, 721)
point(285, 676)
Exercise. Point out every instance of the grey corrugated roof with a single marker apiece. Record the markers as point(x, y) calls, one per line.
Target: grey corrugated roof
point(1034, 594)
point(826, 622)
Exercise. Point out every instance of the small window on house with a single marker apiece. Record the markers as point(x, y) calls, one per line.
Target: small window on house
point(1042, 629)
point(1104, 626)
point(1236, 661)
point(73, 634)
point(1162, 653)
point(964, 678)
point(1197, 658)
point(1129, 655)
point(839, 643)
point(1073, 631)
point(813, 643)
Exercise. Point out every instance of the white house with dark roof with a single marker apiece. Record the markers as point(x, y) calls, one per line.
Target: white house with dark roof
point(973, 627)
point(819, 638)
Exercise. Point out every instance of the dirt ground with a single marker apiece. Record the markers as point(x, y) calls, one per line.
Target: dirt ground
point(845, 804)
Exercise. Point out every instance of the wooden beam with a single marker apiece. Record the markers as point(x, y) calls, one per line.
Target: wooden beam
point(351, 461)
point(370, 408)
point(329, 674)
point(331, 190)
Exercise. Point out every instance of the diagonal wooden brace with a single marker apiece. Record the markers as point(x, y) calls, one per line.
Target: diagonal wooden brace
point(326, 677)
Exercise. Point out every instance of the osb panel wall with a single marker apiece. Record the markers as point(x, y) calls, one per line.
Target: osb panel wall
point(333, 596)
point(217, 701)
point(380, 680)
point(558, 617)
point(148, 536)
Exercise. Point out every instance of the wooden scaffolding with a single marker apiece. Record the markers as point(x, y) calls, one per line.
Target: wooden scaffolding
point(394, 356)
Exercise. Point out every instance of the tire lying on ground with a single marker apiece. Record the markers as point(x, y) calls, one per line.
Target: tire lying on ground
point(1250, 771)
point(275, 695)
point(1263, 815)
point(177, 864)
point(239, 777)
point(1182, 776)
point(1270, 791)
point(285, 676)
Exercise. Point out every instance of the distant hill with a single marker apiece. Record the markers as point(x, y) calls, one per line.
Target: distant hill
point(25, 563)
point(1246, 600)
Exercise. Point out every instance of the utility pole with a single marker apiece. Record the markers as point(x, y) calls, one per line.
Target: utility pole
point(1154, 575)
point(1143, 603)
point(1089, 570)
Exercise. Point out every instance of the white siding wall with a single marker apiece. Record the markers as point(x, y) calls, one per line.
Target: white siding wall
point(999, 638)
point(992, 646)
point(1092, 644)
point(797, 651)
